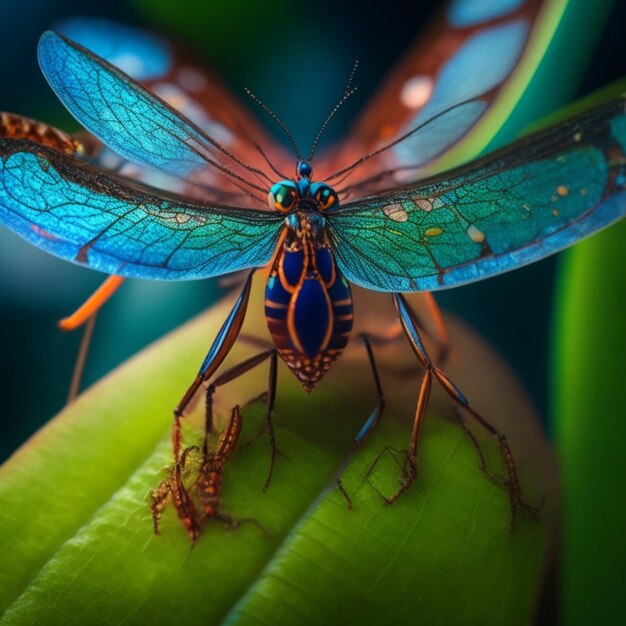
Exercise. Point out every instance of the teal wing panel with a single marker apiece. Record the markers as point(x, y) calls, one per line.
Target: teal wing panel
point(531, 199)
point(80, 213)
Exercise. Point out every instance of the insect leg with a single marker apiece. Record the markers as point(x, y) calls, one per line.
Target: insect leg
point(81, 359)
point(209, 483)
point(442, 338)
point(220, 348)
point(185, 508)
point(230, 435)
point(160, 497)
point(92, 305)
point(511, 483)
point(482, 461)
point(370, 423)
point(411, 329)
point(271, 400)
point(439, 336)
point(230, 375)
point(86, 314)
point(255, 342)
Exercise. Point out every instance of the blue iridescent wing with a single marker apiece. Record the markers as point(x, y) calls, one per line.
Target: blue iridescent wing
point(464, 76)
point(172, 73)
point(515, 206)
point(82, 214)
point(126, 117)
point(143, 55)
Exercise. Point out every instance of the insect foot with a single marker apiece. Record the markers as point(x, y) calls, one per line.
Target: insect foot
point(173, 486)
point(408, 472)
point(195, 484)
point(512, 484)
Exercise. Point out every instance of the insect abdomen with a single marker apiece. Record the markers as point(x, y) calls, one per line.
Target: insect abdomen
point(308, 307)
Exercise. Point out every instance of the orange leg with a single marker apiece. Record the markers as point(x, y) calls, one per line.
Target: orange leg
point(432, 373)
point(196, 507)
point(269, 397)
point(92, 305)
point(173, 487)
point(442, 339)
point(219, 350)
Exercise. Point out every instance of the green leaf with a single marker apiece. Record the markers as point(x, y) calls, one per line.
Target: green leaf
point(589, 405)
point(76, 540)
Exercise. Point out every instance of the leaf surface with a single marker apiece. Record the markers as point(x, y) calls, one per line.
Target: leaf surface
point(76, 541)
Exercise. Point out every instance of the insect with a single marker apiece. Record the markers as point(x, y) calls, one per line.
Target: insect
point(208, 483)
point(377, 220)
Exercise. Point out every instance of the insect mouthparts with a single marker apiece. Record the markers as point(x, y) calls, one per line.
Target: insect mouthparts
point(307, 204)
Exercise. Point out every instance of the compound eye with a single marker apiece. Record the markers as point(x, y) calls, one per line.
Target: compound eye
point(325, 196)
point(283, 196)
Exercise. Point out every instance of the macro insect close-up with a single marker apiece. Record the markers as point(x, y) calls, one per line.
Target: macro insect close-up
point(324, 444)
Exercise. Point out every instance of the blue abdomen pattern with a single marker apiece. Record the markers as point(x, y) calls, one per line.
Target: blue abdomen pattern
point(308, 307)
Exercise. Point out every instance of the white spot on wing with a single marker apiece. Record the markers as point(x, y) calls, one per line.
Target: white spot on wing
point(416, 91)
point(423, 203)
point(396, 213)
point(475, 234)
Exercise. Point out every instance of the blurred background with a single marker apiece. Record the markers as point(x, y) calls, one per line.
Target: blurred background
point(297, 60)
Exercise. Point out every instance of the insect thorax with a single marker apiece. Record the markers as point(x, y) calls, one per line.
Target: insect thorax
point(308, 305)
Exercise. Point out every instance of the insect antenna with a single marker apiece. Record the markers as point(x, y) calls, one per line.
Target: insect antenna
point(251, 194)
point(253, 170)
point(277, 120)
point(348, 91)
point(350, 168)
point(267, 160)
point(228, 172)
point(343, 190)
point(364, 184)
